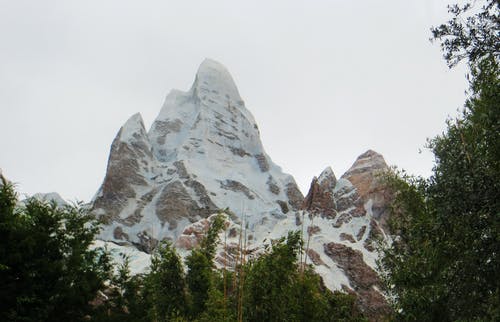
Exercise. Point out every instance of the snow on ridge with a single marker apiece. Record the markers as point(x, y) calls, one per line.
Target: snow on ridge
point(50, 197)
point(132, 127)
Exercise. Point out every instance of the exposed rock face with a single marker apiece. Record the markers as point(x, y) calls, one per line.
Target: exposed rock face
point(202, 153)
point(364, 280)
point(366, 176)
point(319, 200)
point(344, 220)
point(130, 164)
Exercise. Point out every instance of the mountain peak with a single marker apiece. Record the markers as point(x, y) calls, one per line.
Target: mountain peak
point(133, 126)
point(368, 161)
point(327, 179)
point(202, 153)
point(214, 82)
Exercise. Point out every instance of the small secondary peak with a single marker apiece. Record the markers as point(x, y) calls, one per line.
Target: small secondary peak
point(327, 178)
point(134, 125)
point(367, 162)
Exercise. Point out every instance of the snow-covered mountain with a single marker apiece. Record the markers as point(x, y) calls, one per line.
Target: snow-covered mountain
point(203, 153)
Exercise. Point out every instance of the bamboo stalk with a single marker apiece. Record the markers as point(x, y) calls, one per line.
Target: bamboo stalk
point(308, 240)
point(224, 272)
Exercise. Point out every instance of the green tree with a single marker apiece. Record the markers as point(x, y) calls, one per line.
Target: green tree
point(277, 288)
point(470, 36)
point(124, 299)
point(201, 275)
point(444, 263)
point(165, 286)
point(47, 271)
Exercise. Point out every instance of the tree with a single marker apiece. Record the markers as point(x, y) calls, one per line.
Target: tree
point(200, 276)
point(470, 36)
point(278, 289)
point(47, 270)
point(444, 263)
point(165, 286)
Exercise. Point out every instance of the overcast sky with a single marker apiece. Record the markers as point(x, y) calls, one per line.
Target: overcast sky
point(325, 80)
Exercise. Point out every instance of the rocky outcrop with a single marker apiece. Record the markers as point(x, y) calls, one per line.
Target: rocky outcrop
point(347, 215)
point(130, 164)
point(363, 279)
point(366, 175)
point(319, 199)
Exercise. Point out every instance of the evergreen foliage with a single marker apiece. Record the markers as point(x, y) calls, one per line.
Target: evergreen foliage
point(200, 276)
point(278, 288)
point(47, 271)
point(165, 285)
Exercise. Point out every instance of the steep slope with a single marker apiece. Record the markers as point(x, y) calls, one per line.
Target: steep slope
point(202, 153)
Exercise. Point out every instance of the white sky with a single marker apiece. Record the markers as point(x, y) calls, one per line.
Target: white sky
point(325, 80)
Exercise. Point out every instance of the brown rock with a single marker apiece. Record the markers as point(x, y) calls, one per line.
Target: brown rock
point(366, 176)
point(319, 200)
point(175, 203)
point(262, 162)
point(283, 206)
point(273, 187)
point(312, 230)
point(119, 234)
point(374, 235)
point(124, 170)
point(315, 257)
point(348, 237)
point(237, 186)
point(361, 233)
point(363, 279)
point(295, 197)
point(146, 242)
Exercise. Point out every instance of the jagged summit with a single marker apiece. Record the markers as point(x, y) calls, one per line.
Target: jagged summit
point(202, 153)
point(133, 128)
point(327, 178)
point(369, 160)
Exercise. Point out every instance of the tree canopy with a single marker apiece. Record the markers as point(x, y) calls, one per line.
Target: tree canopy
point(47, 270)
point(444, 263)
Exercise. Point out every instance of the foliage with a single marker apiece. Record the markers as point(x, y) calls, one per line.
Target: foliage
point(472, 33)
point(165, 285)
point(200, 274)
point(277, 288)
point(48, 272)
point(444, 263)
